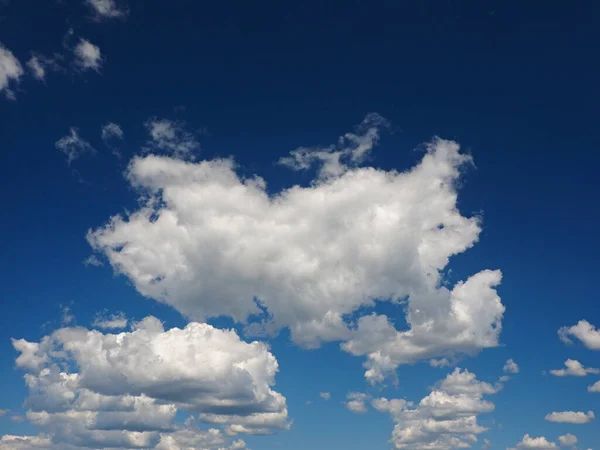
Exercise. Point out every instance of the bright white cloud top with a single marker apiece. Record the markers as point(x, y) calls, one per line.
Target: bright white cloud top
point(443, 420)
point(10, 71)
point(574, 368)
point(584, 331)
point(573, 417)
point(87, 55)
point(208, 242)
point(90, 389)
point(537, 443)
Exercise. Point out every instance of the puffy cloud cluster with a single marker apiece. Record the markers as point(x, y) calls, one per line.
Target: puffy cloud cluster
point(10, 71)
point(88, 389)
point(356, 402)
point(210, 242)
point(573, 417)
point(568, 440)
point(584, 331)
point(574, 368)
point(443, 420)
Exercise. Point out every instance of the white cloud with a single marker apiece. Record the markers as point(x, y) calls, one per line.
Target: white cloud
point(584, 331)
point(73, 146)
point(571, 417)
point(511, 367)
point(443, 420)
point(356, 402)
point(111, 131)
point(10, 71)
point(171, 137)
point(538, 443)
point(87, 55)
point(351, 150)
point(209, 242)
point(105, 9)
point(90, 389)
point(325, 395)
point(574, 368)
point(595, 387)
point(39, 65)
point(112, 322)
point(442, 362)
point(93, 260)
point(567, 440)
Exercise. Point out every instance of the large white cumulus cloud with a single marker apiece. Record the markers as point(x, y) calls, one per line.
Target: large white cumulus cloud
point(212, 243)
point(94, 390)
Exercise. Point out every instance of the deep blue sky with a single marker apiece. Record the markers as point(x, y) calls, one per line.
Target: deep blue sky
point(515, 83)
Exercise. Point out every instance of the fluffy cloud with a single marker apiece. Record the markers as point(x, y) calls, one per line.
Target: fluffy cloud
point(511, 367)
point(567, 440)
point(111, 131)
point(538, 443)
point(443, 420)
point(112, 322)
point(571, 417)
point(39, 64)
point(594, 387)
point(73, 146)
point(325, 395)
point(584, 331)
point(105, 9)
point(87, 55)
point(128, 386)
point(10, 71)
point(172, 138)
point(574, 368)
point(356, 402)
point(210, 242)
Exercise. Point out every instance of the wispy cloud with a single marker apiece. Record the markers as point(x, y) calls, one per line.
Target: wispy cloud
point(73, 146)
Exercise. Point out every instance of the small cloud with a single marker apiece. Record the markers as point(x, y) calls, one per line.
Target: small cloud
point(93, 260)
point(10, 71)
point(17, 418)
point(171, 137)
point(511, 367)
point(568, 440)
point(504, 378)
point(536, 443)
point(356, 402)
point(584, 331)
point(571, 417)
point(105, 9)
point(594, 387)
point(574, 369)
point(439, 362)
point(67, 316)
point(486, 444)
point(115, 321)
point(308, 402)
point(87, 55)
point(4, 412)
point(112, 132)
point(73, 146)
point(325, 395)
point(39, 65)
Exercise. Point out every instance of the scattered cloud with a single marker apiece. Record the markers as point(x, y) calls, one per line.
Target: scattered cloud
point(67, 316)
point(73, 146)
point(595, 387)
point(87, 55)
point(511, 367)
point(4, 412)
point(356, 402)
point(567, 440)
point(10, 71)
point(93, 261)
point(39, 65)
point(571, 417)
point(105, 9)
point(538, 443)
point(210, 242)
point(111, 131)
point(574, 368)
point(584, 331)
point(351, 150)
point(325, 395)
point(445, 419)
point(82, 395)
point(110, 322)
point(172, 138)
point(442, 362)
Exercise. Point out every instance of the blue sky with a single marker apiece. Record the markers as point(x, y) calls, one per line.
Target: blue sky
point(385, 201)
